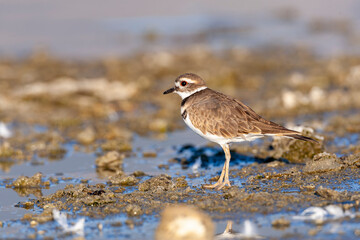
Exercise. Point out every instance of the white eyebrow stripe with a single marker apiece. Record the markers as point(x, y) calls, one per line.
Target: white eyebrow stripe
point(187, 79)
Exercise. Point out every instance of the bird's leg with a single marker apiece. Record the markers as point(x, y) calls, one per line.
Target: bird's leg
point(228, 228)
point(225, 171)
point(220, 180)
point(227, 166)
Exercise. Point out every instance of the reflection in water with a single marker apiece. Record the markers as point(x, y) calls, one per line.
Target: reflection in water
point(205, 157)
point(320, 214)
point(61, 219)
point(25, 192)
point(111, 164)
point(5, 132)
point(249, 232)
point(5, 165)
point(228, 233)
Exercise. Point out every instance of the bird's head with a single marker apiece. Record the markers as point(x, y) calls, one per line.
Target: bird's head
point(187, 84)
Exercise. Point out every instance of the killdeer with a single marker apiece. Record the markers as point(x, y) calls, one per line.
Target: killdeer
point(222, 119)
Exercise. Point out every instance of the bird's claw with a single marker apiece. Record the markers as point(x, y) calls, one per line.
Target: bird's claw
point(218, 185)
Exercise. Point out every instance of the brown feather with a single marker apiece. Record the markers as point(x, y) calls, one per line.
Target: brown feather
point(229, 117)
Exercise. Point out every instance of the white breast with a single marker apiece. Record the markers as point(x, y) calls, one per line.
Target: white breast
point(213, 138)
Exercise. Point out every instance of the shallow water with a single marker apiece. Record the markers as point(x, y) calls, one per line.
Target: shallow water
point(81, 165)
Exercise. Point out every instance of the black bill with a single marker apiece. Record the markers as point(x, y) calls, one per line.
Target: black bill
point(169, 91)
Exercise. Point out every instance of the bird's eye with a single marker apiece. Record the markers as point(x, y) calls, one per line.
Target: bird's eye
point(183, 83)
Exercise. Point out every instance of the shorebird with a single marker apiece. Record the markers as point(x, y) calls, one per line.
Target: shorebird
point(222, 119)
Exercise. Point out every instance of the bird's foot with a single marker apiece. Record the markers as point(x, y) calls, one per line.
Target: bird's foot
point(218, 185)
point(210, 186)
point(223, 184)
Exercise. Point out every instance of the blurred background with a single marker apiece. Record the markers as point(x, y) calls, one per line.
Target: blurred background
point(81, 101)
point(92, 60)
point(90, 28)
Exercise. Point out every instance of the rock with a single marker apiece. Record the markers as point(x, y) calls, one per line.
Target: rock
point(297, 151)
point(86, 136)
point(116, 145)
point(329, 194)
point(133, 210)
point(159, 125)
point(232, 192)
point(28, 205)
point(123, 180)
point(138, 173)
point(130, 223)
point(43, 217)
point(97, 200)
point(352, 160)
point(27, 182)
point(309, 187)
point(159, 183)
point(280, 223)
point(181, 182)
point(181, 222)
point(164, 166)
point(111, 160)
point(323, 162)
point(49, 206)
point(116, 224)
point(7, 151)
point(149, 154)
point(53, 151)
point(33, 223)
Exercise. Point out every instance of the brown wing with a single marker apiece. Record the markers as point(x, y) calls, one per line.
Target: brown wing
point(213, 117)
point(218, 114)
point(263, 125)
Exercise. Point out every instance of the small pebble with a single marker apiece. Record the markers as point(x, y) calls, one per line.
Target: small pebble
point(130, 223)
point(149, 154)
point(87, 136)
point(133, 210)
point(116, 224)
point(100, 227)
point(163, 166)
point(280, 223)
point(28, 205)
point(138, 174)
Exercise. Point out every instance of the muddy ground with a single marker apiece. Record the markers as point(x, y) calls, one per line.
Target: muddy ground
point(99, 108)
